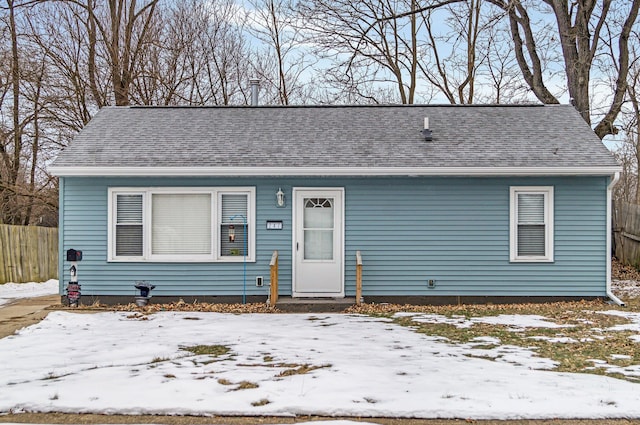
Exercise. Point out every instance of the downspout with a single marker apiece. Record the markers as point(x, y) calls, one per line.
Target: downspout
point(612, 183)
point(60, 235)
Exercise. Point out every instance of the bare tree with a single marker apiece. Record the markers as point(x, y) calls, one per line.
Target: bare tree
point(283, 60)
point(74, 94)
point(579, 26)
point(500, 74)
point(22, 85)
point(164, 75)
point(629, 153)
point(203, 55)
point(11, 142)
point(369, 40)
point(224, 75)
point(454, 72)
point(122, 30)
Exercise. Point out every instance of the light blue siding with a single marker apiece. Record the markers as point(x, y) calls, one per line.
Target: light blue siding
point(452, 230)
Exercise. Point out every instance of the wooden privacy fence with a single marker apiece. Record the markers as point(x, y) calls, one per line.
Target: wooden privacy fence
point(626, 233)
point(28, 253)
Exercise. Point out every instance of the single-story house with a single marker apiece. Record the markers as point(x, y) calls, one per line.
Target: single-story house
point(446, 203)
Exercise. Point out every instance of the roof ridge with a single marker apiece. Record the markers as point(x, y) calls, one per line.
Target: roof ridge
point(377, 106)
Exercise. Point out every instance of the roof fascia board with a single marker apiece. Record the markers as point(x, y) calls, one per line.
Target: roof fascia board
point(331, 171)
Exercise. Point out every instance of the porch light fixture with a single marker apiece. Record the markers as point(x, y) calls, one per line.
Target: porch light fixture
point(280, 198)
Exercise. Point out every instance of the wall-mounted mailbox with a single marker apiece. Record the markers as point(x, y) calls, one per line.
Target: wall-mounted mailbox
point(74, 255)
point(274, 224)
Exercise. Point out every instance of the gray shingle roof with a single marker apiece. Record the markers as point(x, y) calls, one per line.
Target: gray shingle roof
point(336, 136)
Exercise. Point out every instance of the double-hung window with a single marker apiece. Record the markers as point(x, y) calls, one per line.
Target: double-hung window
point(128, 227)
point(181, 224)
point(531, 229)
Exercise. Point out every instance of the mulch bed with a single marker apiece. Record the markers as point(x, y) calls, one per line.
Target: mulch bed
point(628, 276)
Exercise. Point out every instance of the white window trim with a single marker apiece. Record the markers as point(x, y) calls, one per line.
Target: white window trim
point(111, 233)
point(250, 224)
point(215, 193)
point(547, 191)
point(147, 226)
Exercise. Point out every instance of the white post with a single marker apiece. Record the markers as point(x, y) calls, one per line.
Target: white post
point(73, 289)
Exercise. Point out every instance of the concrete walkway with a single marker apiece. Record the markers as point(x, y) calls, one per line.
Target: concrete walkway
point(24, 312)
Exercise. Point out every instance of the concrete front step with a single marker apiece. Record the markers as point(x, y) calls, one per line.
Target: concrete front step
point(314, 305)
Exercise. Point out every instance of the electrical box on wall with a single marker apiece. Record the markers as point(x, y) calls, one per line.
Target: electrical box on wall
point(431, 283)
point(259, 281)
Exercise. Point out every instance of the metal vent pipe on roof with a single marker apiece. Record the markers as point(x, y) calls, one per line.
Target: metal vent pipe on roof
point(255, 88)
point(426, 131)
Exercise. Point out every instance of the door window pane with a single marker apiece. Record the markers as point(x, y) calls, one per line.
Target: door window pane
point(318, 222)
point(318, 244)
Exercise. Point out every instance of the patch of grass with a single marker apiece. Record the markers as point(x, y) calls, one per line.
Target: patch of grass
point(267, 359)
point(160, 359)
point(211, 350)
point(137, 316)
point(246, 385)
point(589, 334)
point(169, 375)
point(480, 356)
point(242, 385)
point(261, 402)
point(51, 375)
point(301, 369)
point(485, 346)
point(314, 318)
point(289, 365)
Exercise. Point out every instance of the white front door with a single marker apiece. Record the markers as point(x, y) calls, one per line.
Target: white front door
point(318, 246)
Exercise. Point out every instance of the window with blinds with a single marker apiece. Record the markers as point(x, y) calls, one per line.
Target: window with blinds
point(532, 224)
point(233, 219)
point(182, 224)
point(129, 230)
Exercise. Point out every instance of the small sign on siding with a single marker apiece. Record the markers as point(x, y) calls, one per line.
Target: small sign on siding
point(274, 224)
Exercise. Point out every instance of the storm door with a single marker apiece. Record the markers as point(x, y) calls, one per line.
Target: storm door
point(318, 243)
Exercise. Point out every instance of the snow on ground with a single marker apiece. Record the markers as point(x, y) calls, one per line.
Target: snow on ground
point(336, 422)
point(513, 322)
point(634, 319)
point(367, 367)
point(626, 288)
point(10, 291)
